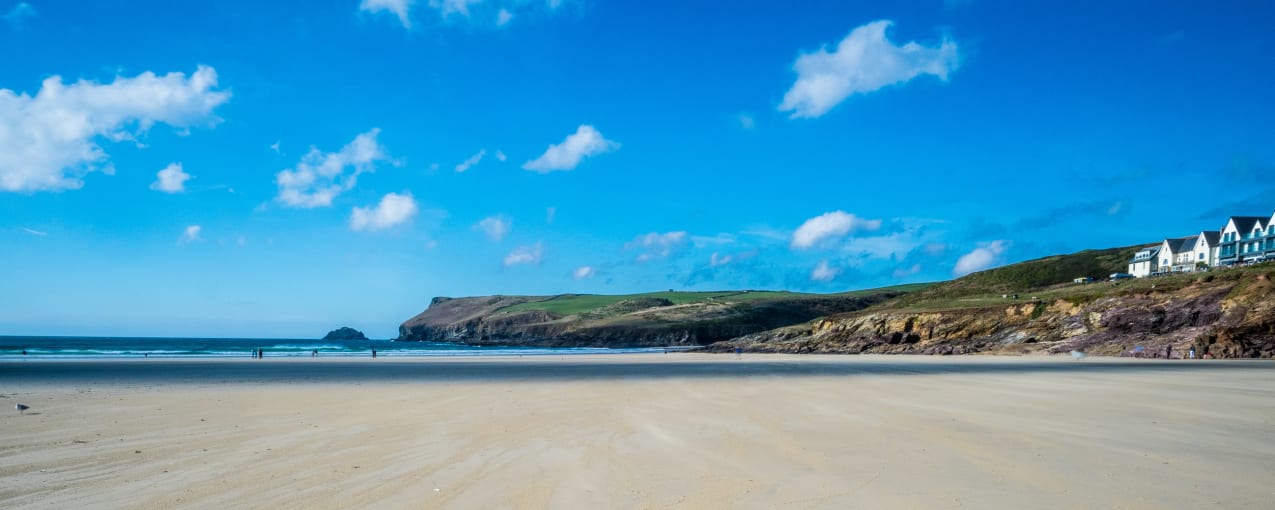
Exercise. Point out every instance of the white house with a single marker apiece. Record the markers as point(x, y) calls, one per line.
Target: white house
point(1145, 262)
point(1176, 254)
point(1205, 251)
point(1243, 240)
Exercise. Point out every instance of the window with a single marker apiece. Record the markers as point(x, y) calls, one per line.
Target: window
point(1201, 257)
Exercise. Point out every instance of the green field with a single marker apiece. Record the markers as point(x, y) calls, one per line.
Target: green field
point(571, 304)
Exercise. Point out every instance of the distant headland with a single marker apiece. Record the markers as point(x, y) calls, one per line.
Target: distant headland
point(345, 333)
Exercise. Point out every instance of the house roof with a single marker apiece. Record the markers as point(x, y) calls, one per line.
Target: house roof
point(1181, 244)
point(1245, 224)
point(1155, 250)
point(1211, 237)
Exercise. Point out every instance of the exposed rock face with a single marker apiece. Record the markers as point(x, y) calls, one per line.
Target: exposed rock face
point(345, 333)
point(1224, 317)
point(631, 323)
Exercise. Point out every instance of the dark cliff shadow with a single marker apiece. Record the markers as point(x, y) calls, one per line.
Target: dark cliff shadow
point(554, 368)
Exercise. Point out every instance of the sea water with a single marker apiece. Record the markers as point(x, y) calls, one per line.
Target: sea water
point(82, 347)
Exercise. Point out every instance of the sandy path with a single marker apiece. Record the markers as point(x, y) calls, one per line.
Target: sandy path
point(677, 431)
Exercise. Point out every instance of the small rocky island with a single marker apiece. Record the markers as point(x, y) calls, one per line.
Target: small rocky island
point(345, 333)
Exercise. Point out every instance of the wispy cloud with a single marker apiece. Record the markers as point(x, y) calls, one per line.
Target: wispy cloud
point(400, 8)
point(719, 260)
point(321, 176)
point(866, 60)
point(19, 13)
point(53, 138)
point(494, 227)
point(473, 160)
point(824, 272)
point(583, 272)
point(191, 234)
point(656, 245)
point(528, 254)
point(34, 232)
point(585, 142)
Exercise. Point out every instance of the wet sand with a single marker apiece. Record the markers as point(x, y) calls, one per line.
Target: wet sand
point(638, 431)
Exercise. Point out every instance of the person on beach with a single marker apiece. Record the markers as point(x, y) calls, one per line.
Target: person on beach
point(738, 352)
point(314, 353)
point(373, 353)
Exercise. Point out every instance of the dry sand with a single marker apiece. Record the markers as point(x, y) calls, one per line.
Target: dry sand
point(639, 431)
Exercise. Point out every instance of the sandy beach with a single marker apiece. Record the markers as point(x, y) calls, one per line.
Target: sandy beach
point(638, 431)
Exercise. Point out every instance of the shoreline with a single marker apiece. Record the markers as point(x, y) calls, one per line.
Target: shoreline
point(639, 431)
point(636, 366)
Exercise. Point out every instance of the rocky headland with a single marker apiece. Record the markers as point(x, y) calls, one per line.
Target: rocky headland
point(1033, 307)
point(345, 333)
point(644, 320)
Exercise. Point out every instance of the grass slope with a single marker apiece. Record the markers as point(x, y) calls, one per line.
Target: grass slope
point(572, 304)
point(1045, 278)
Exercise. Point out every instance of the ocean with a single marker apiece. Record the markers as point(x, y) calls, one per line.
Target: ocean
point(83, 347)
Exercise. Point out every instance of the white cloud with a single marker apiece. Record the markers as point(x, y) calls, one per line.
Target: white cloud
point(823, 272)
point(717, 260)
point(583, 272)
point(321, 176)
point(400, 8)
point(19, 13)
point(903, 272)
point(829, 226)
point(49, 141)
point(393, 209)
point(529, 254)
point(473, 160)
point(191, 234)
point(171, 179)
point(657, 245)
point(746, 121)
point(720, 239)
point(34, 232)
point(275, 146)
point(585, 142)
point(503, 17)
point(495, 227)
point(449, 7)
point(500, 156)
point(866, 60)
point(983, 257)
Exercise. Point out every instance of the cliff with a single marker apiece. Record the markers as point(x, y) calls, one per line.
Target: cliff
point(1227, 313)
point(643, 320)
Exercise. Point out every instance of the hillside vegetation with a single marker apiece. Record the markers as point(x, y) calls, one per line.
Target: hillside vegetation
point(649, 319)
point(1033, 276)
point(1223, 313)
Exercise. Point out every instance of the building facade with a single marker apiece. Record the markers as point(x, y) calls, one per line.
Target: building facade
point(1242, 240)
point(1145, 262)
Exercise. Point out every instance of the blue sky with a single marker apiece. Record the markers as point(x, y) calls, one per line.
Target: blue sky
point(281, 168)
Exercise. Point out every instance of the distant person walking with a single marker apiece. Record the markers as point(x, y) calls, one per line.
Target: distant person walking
point(739, 352)
point(314, 353)
point(373, 353)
